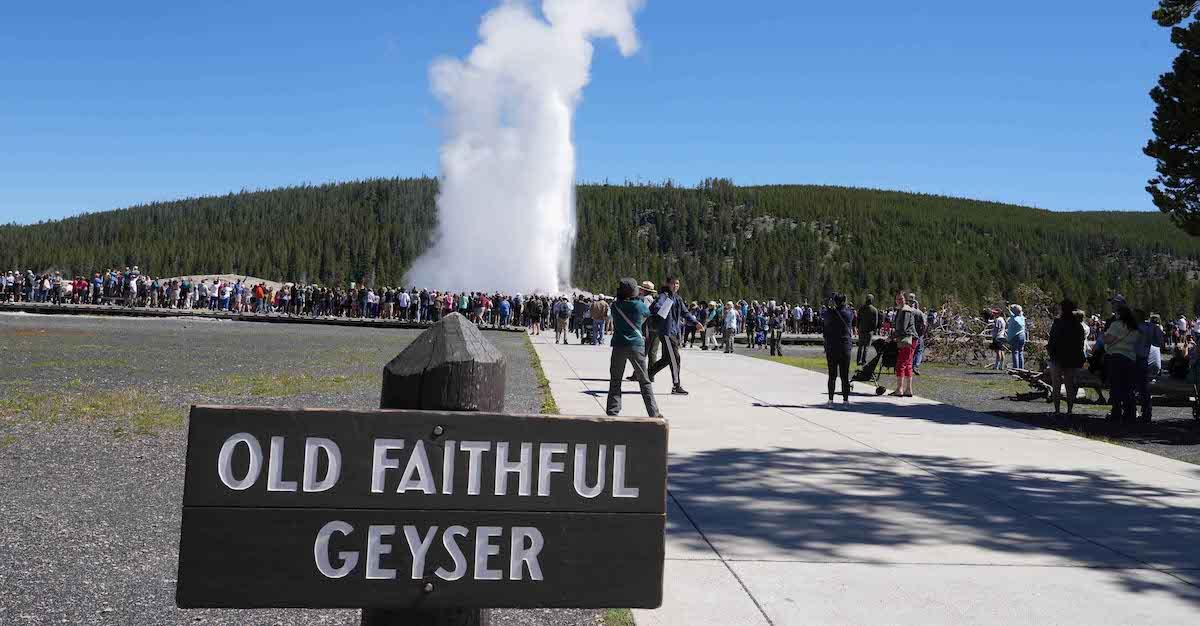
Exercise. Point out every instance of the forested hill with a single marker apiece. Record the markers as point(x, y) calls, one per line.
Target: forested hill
point(725, 241)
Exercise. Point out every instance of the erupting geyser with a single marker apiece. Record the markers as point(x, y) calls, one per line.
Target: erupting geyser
point(506, 208)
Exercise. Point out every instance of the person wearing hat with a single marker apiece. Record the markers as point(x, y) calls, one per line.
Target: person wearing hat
point(647, 293)
point(599, 314)
point(629, 346)
point(1017, 334)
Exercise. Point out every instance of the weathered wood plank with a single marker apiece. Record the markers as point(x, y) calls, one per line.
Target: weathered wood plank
point(355, 432)
point(252, 558)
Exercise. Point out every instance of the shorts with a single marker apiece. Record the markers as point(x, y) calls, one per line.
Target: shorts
point(904, 360)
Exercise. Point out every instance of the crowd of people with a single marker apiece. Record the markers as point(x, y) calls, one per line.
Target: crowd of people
point(1130, 348)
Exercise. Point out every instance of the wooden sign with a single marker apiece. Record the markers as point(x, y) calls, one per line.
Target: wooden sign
point(323, 508)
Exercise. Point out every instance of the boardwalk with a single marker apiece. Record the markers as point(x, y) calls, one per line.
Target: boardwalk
point(897, 511)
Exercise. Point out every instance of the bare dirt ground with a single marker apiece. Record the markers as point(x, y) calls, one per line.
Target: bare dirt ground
point(92, 439)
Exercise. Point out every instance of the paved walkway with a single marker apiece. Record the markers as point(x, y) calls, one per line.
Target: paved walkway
point(896, 510)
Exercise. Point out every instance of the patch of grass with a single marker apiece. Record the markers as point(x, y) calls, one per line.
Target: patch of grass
point(618, 617)
point(549, 406)
point(814, 363)
point(7, 440)
point(136, 411)
point(281, 385)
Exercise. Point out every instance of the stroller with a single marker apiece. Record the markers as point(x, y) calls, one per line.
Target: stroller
point(885, 358)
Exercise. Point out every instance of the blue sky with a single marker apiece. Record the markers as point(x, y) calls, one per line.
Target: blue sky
point(109, 104)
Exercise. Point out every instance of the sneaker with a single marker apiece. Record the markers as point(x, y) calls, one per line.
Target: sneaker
point(829, 404)
point(916, 373)
point(678, 391)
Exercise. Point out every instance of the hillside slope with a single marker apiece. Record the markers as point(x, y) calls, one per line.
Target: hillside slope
point(725, 241)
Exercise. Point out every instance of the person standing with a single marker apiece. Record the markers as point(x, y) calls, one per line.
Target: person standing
point(505, 312)
point(904, 333)
point(1017, 336)
point(1120, 360)
point(629, 346)
point(730, 322)
point(534, 307)
point(689, 334)
point(712, 320)
point(836, 324)
point(599, 314)
point(1065, 349)
point(995, 330)
point(776, 321)
point(562, 313)
point(868, 325)
point(671, 312)
point(1148, 350)
point(922, 328)
point(647, 293)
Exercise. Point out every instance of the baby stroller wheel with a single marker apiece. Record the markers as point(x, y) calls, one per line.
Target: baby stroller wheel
point(879, 390)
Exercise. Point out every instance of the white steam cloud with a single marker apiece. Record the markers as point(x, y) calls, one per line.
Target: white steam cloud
point(506, 208)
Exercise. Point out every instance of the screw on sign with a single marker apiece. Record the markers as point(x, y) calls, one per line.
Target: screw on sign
point(423, 516)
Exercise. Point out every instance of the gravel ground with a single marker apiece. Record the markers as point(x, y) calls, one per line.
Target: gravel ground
point(92, 440)
point(1173, 433)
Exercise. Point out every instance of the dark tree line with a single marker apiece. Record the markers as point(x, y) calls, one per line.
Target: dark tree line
point(788, 242)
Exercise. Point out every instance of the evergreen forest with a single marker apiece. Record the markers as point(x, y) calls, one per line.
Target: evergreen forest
point(784, 242)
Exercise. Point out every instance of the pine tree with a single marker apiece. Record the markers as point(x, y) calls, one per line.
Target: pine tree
point(1176, 125)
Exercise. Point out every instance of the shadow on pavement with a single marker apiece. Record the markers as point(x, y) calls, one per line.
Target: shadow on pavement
point(822, 505)
point(1166, 432)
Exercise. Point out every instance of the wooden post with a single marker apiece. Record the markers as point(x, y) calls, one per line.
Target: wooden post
point(450, 367)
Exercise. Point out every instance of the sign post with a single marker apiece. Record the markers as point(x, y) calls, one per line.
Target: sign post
point(422, 516)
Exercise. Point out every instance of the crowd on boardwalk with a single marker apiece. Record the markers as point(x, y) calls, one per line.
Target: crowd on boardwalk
point(1129, 347)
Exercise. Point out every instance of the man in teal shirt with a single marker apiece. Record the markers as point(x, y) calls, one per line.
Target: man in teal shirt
point(629, 315)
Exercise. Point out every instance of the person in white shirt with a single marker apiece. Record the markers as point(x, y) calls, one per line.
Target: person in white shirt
point(403, 300)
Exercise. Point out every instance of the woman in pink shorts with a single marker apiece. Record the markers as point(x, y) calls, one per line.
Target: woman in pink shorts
point(904, 333)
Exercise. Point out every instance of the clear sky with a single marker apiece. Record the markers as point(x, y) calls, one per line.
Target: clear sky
point(108, 104)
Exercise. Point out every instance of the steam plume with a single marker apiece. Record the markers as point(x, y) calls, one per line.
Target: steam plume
point(506, 208)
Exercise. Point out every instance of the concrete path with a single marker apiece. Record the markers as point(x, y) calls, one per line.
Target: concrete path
point(898, 511)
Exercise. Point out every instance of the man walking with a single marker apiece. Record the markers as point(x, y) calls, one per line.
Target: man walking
point(670, 311)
